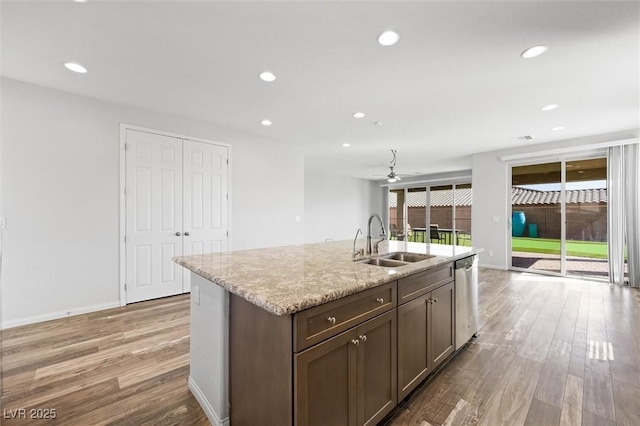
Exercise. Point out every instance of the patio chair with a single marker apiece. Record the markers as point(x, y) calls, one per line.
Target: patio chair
point(396, 234)
point(463, 238)
point(434, 234)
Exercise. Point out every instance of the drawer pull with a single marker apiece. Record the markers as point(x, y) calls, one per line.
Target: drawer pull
point(380, 300)
point(332, 320)
point(363, 337)
point(355, 342)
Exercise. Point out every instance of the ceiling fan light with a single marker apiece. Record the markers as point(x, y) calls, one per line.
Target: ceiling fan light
point(392, 179)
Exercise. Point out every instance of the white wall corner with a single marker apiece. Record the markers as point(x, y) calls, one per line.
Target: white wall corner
point(206, 406)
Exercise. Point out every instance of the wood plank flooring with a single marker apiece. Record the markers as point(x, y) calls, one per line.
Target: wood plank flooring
point(551, 351)
point(119, 366)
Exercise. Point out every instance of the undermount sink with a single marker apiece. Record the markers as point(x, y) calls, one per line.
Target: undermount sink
point(381, 261)
point(408, 257)
point(397, 259)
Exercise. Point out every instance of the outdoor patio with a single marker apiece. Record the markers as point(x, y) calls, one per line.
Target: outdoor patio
point(579, 266)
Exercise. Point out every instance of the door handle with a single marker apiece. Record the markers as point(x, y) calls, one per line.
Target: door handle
point(186, 234)
point(178, 234)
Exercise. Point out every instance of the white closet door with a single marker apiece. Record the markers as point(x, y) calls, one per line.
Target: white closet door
point(153, 215)
point(205, 201)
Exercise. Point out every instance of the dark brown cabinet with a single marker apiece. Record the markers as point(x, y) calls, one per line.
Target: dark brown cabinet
point(349, 379)
point(346, 362)
point(442, 324)
point(425, 333)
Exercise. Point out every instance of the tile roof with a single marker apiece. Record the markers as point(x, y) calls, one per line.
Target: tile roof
point(519, 196)
point(522, 196)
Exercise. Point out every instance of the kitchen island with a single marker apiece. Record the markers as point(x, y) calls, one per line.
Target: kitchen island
point(308, 333)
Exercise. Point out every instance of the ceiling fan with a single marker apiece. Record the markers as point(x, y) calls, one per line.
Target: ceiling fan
point(393, 176)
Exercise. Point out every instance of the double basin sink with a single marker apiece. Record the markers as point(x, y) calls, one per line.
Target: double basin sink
point(397, 259)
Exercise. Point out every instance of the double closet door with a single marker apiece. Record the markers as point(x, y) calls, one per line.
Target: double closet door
point(176, 205)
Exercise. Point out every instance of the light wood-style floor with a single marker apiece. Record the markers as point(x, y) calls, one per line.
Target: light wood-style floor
point(550, 351)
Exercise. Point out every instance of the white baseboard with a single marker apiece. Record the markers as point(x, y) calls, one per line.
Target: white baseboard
point(58, 315)
point(206, 407)
point(501, 268)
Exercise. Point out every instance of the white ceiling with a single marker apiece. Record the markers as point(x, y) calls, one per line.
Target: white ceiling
point(454, 85)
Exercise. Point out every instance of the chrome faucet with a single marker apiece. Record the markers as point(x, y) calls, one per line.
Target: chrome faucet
point(358, 252)
point(374, 249)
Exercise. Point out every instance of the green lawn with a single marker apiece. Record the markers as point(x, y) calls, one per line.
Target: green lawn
point(595, 250)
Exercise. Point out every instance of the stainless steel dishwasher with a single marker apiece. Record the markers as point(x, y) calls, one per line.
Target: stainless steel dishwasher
point(466, 271)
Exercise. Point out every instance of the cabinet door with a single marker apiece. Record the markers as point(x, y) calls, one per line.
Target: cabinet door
point(377, 380)
point(325, 383)
point(413, 355)
point(442, 337)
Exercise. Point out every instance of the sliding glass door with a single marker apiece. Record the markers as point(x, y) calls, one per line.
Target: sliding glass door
point(536, 217)
point(431, 214)
point(396, 214)
point(559, 217)
point(586, 210)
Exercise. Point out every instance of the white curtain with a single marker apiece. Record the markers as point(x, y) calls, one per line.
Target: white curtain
point(623, 213)
point(632, 211)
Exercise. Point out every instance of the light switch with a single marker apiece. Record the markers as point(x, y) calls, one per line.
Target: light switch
point(196, 294)
point(298, 218)
point(496, 218)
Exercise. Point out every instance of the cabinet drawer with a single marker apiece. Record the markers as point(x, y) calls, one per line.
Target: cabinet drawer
point(418, 284)
point(321, 322)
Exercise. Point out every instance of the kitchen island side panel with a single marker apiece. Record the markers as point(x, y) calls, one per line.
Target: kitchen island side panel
point(208, 376)
point(261, 365)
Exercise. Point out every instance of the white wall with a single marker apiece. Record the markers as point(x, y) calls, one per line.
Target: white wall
point(492, 193)
point(60, 176)
point(336, 206)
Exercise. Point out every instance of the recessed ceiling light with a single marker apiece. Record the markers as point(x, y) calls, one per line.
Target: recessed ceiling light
point(346, 145)
point(266, 122)
point(388, 38)
point(267, 76)
point(80, 1)
point(534, 51)
point(72, 66)
point(359, 114)
point(558, 128)
point(549, 107)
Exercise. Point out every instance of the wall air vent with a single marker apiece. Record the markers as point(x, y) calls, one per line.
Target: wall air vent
point(525, 138)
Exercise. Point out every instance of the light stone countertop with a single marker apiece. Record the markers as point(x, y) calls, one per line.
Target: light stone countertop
point(289, 279)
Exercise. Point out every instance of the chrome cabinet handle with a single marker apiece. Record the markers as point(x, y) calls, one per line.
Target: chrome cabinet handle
point(380, 300)
point(186, 234)
point(363, 337)
point(332, 320)
point(178, 234)
point(430, 301)
point(355, 342)
point(435, 300)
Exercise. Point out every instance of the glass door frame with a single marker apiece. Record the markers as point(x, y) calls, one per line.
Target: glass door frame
point(427, 187)
point(563, 207)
